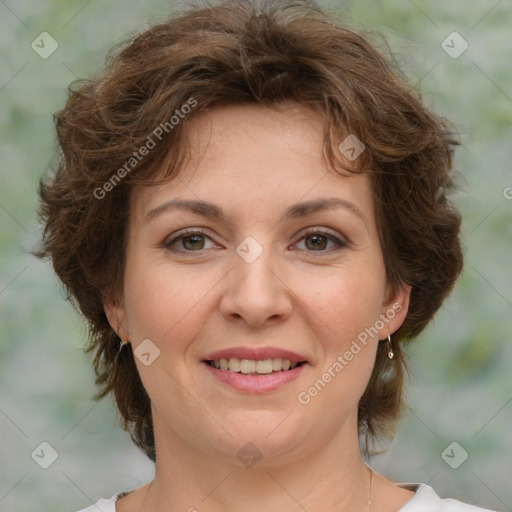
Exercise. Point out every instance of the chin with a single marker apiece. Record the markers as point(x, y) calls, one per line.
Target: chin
point(271, 435)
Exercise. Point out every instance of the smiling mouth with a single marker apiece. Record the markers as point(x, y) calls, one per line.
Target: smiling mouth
point(253, 367)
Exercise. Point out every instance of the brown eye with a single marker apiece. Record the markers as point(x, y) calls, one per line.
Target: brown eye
point(318, 241)
point(187, 241)
point(194, 242)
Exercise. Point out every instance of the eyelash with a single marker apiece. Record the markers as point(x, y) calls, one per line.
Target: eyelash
point(310, 232)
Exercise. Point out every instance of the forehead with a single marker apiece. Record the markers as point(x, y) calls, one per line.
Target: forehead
point(254, 155)
point(242, 137)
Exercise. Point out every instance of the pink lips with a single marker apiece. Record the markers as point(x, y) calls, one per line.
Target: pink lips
point(257, 354)
point(255, 384)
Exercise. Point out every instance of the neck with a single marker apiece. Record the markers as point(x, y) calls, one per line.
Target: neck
point(330, 477)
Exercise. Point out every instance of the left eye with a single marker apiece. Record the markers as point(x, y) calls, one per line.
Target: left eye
point(320, 239)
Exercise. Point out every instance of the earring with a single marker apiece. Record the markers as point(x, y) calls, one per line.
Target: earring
point(391, 354)
point(118, 340)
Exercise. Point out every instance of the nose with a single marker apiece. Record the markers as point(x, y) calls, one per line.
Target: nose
point(256, 291)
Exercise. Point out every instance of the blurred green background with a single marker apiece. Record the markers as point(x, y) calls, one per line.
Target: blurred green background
point(460, 388)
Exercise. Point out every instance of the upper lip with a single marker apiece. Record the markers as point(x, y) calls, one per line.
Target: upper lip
point(256, 354)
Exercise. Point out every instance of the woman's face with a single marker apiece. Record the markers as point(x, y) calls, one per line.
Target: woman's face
point(266, 272)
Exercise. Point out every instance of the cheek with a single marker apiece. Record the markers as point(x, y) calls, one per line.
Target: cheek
point(164, 303)
point(346, 309)
point(347, 300)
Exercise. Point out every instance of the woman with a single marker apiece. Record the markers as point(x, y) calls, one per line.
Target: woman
point(250, 212)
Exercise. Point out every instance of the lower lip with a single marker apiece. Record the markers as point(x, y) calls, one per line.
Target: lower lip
point(256, 383)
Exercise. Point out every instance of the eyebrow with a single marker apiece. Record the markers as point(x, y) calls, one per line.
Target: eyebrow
point(295, 211)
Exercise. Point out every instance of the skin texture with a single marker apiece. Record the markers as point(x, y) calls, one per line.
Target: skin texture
point(254, 162)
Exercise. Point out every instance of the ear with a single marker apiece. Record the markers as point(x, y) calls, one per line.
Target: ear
point(394, 309)
point(114, 310)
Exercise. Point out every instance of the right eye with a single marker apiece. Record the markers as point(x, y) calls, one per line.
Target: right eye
point(191, 240)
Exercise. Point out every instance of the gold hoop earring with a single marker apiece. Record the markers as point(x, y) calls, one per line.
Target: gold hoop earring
point(391, 354)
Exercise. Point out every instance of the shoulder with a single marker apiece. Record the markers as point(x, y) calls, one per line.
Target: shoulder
point(427, 500)
point(103, 505)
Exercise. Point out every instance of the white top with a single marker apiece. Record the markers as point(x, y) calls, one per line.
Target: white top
point(425, 500)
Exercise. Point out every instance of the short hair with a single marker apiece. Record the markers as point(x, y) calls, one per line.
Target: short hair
point(234, 53)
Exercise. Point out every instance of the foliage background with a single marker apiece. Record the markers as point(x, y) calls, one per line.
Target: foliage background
point(461, 380)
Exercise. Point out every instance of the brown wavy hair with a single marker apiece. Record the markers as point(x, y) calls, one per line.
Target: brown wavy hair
point(233, 53)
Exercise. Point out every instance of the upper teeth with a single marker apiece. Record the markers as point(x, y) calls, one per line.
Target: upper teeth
point(248, 366)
